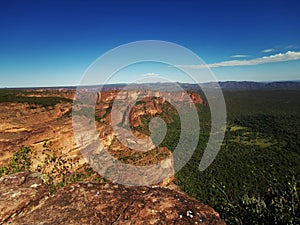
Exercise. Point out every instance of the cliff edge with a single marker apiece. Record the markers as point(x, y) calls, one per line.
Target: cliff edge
point(25, 199)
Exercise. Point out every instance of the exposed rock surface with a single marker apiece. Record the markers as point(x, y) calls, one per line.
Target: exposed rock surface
point(31, 125)
point(24, 125)
point(24, 200)
point(20, 192)
point(152, 103)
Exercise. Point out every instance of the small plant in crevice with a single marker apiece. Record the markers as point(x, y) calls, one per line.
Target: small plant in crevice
point(56, 168)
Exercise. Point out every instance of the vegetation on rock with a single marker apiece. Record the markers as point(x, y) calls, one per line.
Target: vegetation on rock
point(57, 170)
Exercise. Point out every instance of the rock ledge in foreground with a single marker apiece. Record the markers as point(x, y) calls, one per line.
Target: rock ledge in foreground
point(24, 199)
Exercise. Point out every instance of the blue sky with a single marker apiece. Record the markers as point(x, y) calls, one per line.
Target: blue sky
point(52, 43)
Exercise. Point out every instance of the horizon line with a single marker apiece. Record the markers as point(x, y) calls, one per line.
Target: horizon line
point(91, 85)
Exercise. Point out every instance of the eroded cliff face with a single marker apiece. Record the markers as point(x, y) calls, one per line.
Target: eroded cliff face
point(28, 125)
point(32, 125)
point(24, 199)
point(130, 109)
point(150, 103)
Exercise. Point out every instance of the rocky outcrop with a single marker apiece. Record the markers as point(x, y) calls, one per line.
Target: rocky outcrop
point(109, 96)
point(143, 103)
point(24, 200)
point(23, 125)
point(31, 125)
point(19, 193)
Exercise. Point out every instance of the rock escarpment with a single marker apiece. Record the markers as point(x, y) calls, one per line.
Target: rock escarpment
point(24, 200)
point(147, 103)
point(29, 124)
point(121, 110)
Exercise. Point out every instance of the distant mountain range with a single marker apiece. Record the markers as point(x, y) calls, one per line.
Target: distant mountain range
point(226, 85)
point(249, 85)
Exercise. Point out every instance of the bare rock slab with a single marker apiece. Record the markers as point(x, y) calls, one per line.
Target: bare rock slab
point(93, 203)
point(19, 193)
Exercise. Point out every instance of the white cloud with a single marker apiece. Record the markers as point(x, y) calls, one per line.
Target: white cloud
point(151, 75)
point(280, 57)
point(239, 56)
point(268, 50)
